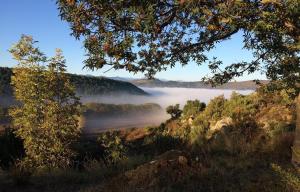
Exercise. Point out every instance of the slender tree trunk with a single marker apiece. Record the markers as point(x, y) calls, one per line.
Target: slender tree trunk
point(296, 147)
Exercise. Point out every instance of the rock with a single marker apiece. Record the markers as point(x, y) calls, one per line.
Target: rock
point(182, 160)
point(191, 119)
point(225, 122)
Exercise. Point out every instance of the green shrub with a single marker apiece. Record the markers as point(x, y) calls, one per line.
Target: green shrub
point(239, 135)
point(240, 105)
point(277, 92)
point(291, 180)
point(20, 175)
point(201, 124)
point(11, 149)
point(192, 108)
point(114, 147)
point(174, 111)
point(199, 130)
point(160, 140)
point(215, 108)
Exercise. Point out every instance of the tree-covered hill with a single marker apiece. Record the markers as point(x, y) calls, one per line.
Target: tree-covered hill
point(85, 85)
point(90, 85)
point(241, 85)
point(101, 109)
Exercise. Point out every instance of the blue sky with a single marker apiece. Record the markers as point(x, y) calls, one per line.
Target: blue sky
point(39, 18)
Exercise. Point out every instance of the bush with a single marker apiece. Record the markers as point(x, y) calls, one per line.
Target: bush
point(291, 181)
point(174, 111)
point(192, 108)
point(160, 140)
point(20, 174)
point(239, 106)
point(211, 114)
point(215, 108)
point(199, 130)
point(11, 149)
point(244, 133)
point(114, 148)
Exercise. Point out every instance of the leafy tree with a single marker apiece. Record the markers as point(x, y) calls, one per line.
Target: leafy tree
point(61, 117)
point(150, 36)
point(174, 111)
point(45, 119)
point(193, 108)
point(30, 85)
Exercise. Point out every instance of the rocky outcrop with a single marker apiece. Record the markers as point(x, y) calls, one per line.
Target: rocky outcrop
point(219, 125)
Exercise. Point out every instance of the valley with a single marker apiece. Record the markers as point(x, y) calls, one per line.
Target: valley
point(109, 92)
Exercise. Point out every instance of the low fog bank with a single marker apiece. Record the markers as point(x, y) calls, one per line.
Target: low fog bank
point(98, 124)
point(165, 96)
point(162, 96)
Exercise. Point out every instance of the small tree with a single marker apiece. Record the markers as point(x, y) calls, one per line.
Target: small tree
point(61, 120)
point(46, 117)
point(174, 111)
point(30, 88)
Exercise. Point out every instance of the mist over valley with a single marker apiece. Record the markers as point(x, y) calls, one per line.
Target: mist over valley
point(121, 97)
point(138, 116)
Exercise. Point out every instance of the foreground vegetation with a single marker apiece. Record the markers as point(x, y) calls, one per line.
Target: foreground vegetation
point(237, 144)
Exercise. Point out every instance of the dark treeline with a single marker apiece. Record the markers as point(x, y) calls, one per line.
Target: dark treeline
point(102, 110)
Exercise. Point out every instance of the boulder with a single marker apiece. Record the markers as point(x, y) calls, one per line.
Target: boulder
point(220, 125)
point(182, 160)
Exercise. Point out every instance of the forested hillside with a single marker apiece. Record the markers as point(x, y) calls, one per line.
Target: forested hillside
point(85, 85)
point(89, 85)
point(102, 110)
point(242, 85)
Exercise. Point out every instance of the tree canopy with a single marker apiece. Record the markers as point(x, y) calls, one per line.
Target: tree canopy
point(150, 35)
point(192, 108)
